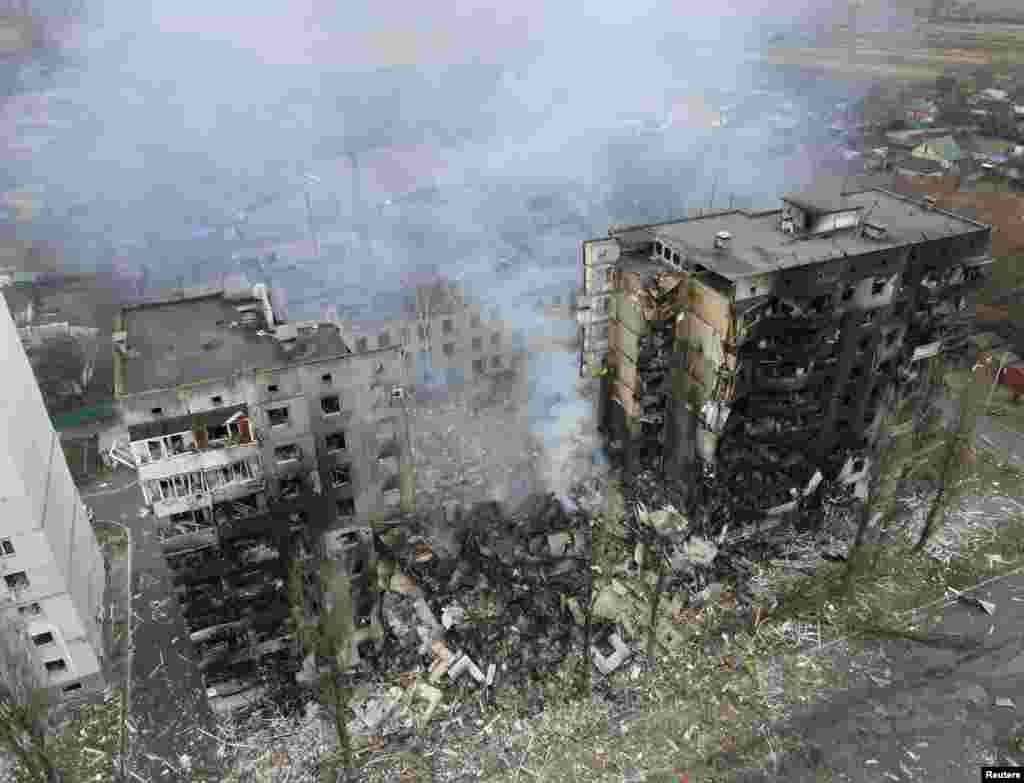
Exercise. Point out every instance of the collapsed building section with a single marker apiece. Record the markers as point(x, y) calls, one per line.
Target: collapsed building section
point(771, 345)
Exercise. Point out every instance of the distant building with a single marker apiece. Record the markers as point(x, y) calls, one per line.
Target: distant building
point(772, 344)
point(52, 567)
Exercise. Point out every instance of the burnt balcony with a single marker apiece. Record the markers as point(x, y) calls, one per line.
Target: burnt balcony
point(782, 376)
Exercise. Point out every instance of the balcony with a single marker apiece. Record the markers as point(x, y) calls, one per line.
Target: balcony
point(193, 460)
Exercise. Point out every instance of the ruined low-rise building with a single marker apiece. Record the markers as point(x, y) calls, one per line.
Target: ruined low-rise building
point(771, 344)
point(254, 441)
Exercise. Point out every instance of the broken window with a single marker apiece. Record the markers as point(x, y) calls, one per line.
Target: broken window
point(478, 366)
point(878, 286)
point(177, 444)
point(6, 547)
point(346, 507)
point(217, 432)
point(166, 489)
point(43, 639)
point(278, 417)
point(384, 340)
point(448, 326)
point(325, 378)
point(56, 666)
point(330, 405)
point(156, 411)
point(449, 349)
point(287, 453)
point(291, 488)
point(336, 441)
point(156, 451)
point(478, 343)
point(272, 388)
point(218, 400)
point(341, 475)
point(848, 293)
point(16, 581)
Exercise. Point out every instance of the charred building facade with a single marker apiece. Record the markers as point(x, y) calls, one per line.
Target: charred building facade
point(256, 443)
point(771, 344)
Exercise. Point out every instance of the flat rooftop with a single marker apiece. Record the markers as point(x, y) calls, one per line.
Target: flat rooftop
point(758, 245)
point(199, 338)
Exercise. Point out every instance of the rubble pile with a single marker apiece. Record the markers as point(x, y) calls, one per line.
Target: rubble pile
point(471, 590)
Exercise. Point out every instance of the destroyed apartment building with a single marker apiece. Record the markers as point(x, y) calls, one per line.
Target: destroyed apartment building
point(771, 344)
point(256, 442)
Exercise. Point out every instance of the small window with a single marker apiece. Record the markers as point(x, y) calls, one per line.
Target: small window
point(346, 507)
point(75, 686)
point(278, 416)
point(272, 388)
point(156, 411)
point(495, 361)
point(291, 488)
point(478, 366)
point(858, 465)
point(17, 580)
point(336, 441)
point(384, 340)
point(361, 344)
point(218, 400)
point(42, 639)
point(449, 349)
point(325, 378)
point(753, 290)
point(30, 610)
point(478, 343)
point(448, 326)
point(475, 321)
point(286, 453)
point(56, 666)
point(341, 476)
point(878, 286)
point(6, 547)
point(848, 293)
point(330, 405)
point(496, 337)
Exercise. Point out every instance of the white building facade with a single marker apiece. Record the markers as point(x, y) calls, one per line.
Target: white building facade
point(51, 568)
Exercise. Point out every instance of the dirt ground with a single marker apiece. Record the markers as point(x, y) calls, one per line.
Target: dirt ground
point(920, 711)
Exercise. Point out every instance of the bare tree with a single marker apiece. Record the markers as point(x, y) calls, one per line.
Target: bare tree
point(24, 706)
point(956, 458)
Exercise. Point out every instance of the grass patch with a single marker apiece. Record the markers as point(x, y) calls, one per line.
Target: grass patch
point(120, 631)
point(88, 742)
point(114, 537)
point(1003, 411)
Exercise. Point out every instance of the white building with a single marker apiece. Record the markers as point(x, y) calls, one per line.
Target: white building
point(50, 564)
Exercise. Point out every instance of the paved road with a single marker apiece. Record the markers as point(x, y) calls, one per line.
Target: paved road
point(931, 713)
point(167, 690)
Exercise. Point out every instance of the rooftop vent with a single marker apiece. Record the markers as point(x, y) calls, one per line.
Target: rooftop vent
point(722, 240)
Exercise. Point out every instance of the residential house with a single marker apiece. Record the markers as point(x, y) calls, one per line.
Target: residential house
point(51, 565)
point(772, 344)
point(943, 150)
point(920, 167)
